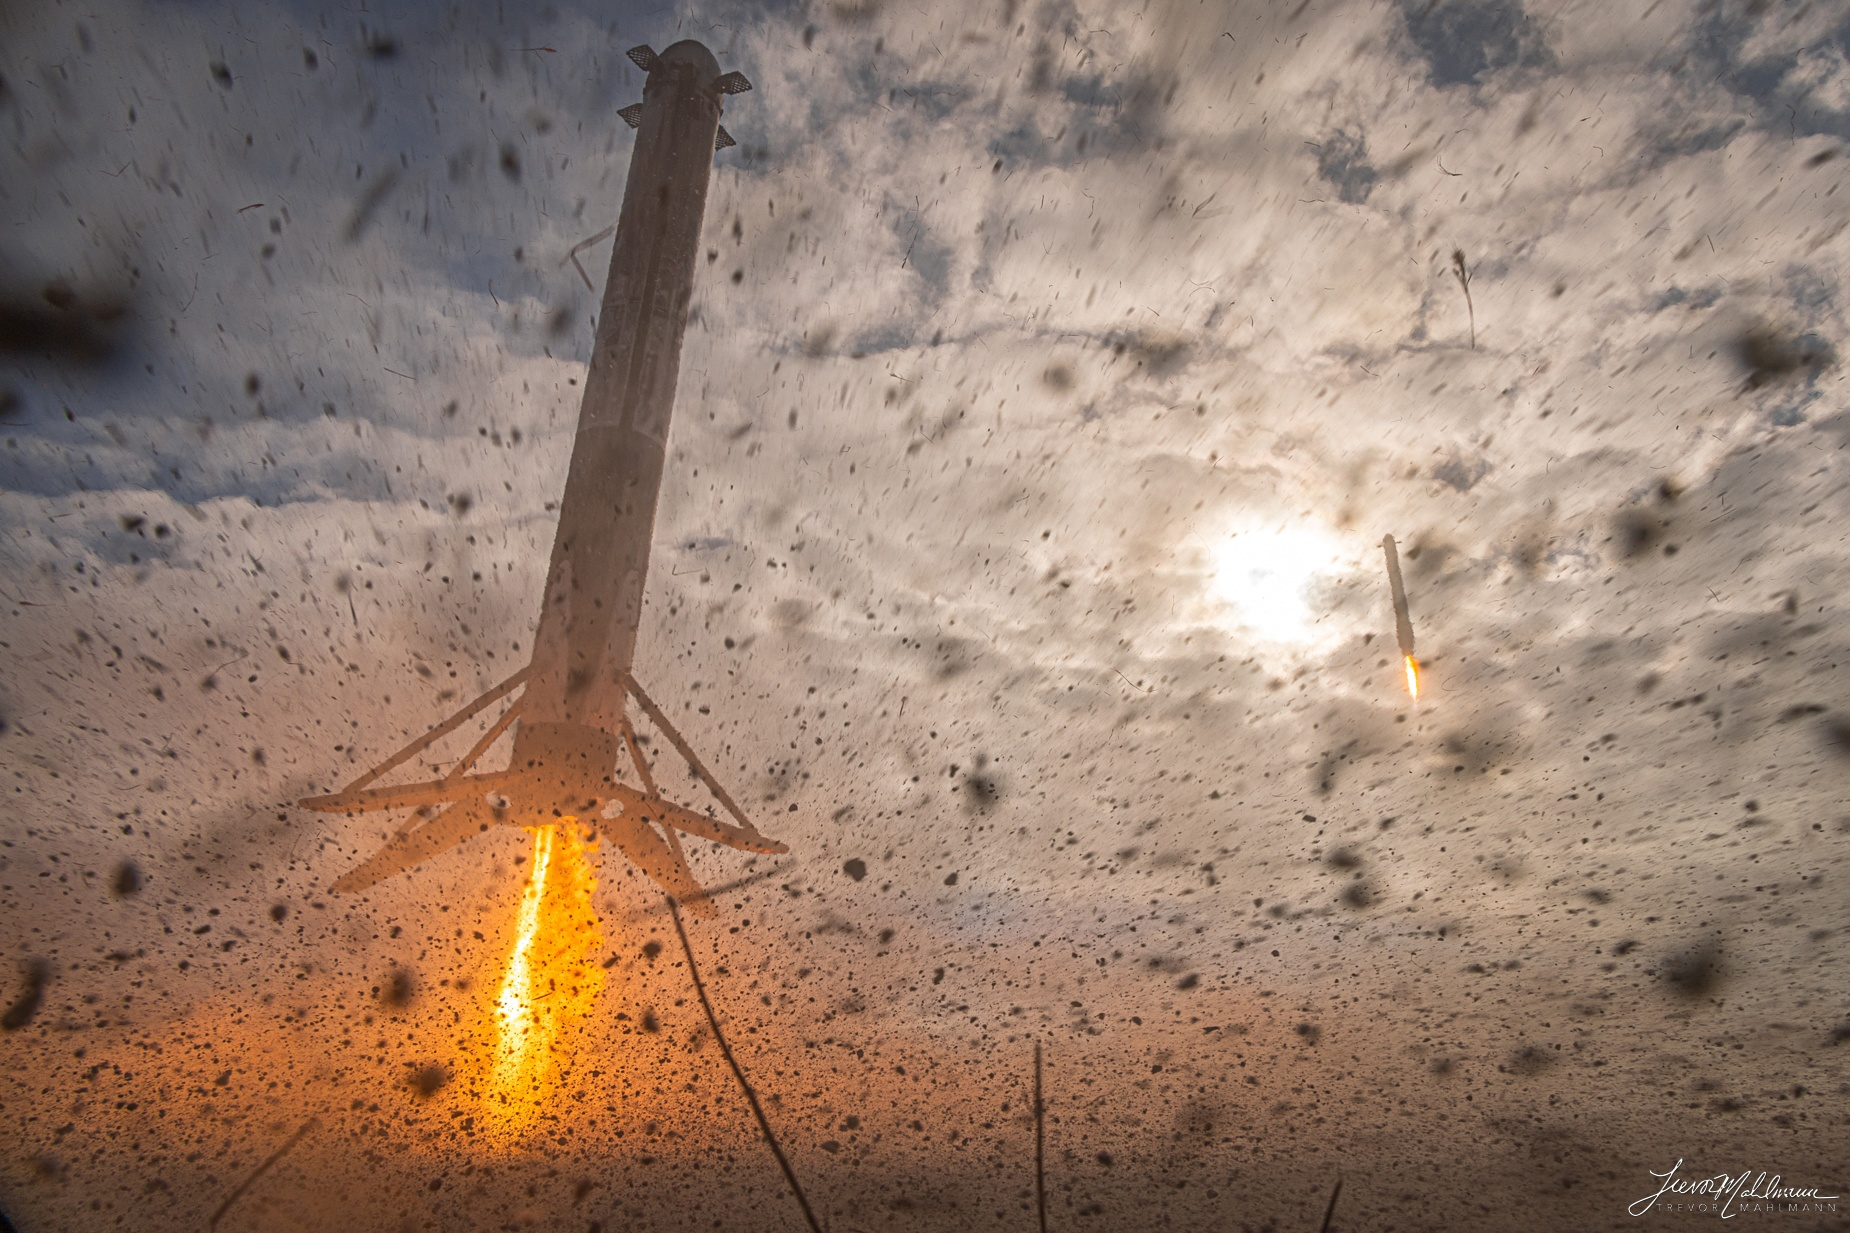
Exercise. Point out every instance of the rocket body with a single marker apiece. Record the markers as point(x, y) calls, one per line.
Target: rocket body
point(1403, 623)
point(592, 605)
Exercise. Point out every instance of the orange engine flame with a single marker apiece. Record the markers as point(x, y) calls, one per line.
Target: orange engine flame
point(552, 977)
point(1413, 678)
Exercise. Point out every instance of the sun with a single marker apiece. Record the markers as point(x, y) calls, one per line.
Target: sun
point(1265, 576)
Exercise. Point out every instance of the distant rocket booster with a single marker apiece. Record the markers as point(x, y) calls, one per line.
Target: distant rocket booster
point(1403, 623)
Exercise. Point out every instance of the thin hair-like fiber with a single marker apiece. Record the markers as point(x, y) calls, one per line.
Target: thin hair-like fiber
point(1040, 1143)
point(751, 1097)
point(260, 1170)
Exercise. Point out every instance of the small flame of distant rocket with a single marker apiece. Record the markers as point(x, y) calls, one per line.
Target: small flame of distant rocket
point(1403, 623)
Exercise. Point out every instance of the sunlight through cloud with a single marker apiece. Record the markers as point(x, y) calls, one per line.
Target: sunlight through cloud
point(1266, 576)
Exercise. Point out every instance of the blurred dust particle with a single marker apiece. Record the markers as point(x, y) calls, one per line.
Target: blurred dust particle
point(1695, 972)
point(34, 973)
point(367, 206)
point(398, 988)
point(1770, 356)
point(61, 324)
point(427, 1079)
point(1529, 1060)
point(1837, 736)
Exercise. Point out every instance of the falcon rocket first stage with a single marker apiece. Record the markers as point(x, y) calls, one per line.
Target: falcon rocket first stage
point(570, 723)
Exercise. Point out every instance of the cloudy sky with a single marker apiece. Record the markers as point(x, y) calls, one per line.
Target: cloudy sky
point(1054, 373)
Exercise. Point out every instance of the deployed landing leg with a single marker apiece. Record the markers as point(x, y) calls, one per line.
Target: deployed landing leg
point(575, 777)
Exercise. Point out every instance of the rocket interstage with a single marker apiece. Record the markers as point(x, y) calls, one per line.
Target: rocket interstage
point(570, 723)
point(1403, 622)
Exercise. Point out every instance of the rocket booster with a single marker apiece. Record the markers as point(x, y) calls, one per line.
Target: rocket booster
point(600, 559)
point(570, 727)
